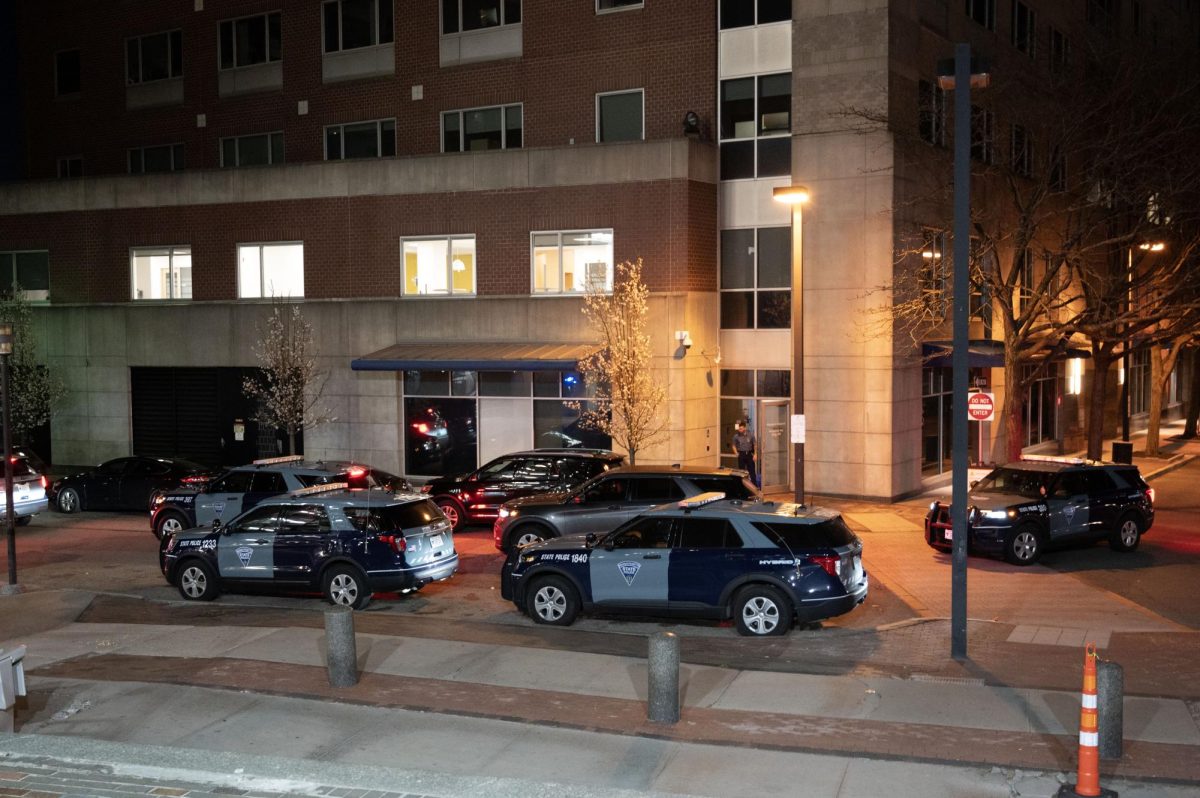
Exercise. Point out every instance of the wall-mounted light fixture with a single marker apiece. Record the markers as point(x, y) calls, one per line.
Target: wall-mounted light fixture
point(1075, 376)
point(684, 338)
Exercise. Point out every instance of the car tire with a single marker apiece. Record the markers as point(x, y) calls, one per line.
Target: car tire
point(346, 586)
point(168, 524)
point(196, 581)
point(761, 611)
point(1127, 534)
point(1023, 545)
point(68, 501)
point(453, 511)
point(552, 600)
point(529, 533)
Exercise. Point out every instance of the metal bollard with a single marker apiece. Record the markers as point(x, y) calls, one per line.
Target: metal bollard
point(1110, 705)
point(663, 672)
point(341, 654)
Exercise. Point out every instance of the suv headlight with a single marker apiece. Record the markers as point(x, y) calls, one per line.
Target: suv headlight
point(1000, 515)
point(507, 513)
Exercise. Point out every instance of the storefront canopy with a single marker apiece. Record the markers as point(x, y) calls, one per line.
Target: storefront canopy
point(478, 356)
point(982, 354)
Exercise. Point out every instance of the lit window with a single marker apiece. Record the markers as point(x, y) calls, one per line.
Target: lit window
point(497, 128)
point(161, 273)
point(756, 123)
point(932, 274)
point(259, 150)
point(572, 262)
point(250, 40)
point(361, 140)
point(161, 158)
point(465, 15)
point(27, 273)
point(619, 116)
point(158, 56)
point(350, 24)
point(270, 270)
point(442, 266)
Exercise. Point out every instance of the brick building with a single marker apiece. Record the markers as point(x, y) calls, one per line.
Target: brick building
point(438, 182)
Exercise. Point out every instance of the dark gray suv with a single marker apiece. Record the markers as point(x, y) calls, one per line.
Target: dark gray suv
point(605, 502)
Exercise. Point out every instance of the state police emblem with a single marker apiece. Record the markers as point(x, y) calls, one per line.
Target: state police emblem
point(628, 570)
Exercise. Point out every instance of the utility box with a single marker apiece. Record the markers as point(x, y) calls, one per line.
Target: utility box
point(1122, 452)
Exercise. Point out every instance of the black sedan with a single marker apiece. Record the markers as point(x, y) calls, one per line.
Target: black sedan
point(126, 483)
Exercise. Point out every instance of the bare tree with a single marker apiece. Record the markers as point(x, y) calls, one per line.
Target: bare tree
point(290, 388)
point(33, 388)
point(629, 401)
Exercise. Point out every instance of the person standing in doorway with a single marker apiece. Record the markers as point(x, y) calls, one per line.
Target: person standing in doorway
point(744, 447)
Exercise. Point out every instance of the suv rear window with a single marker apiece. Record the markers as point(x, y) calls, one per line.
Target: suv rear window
point(1128, 478)
point(20, 468)
point(733, 487)
point(394, 517)
point(799, 537)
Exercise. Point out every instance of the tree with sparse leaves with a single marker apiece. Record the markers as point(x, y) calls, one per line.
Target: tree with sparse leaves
point(290, 387)
point(33, 389)
point(629, 401)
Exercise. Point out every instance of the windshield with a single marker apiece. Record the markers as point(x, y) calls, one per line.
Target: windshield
point(1014, 480)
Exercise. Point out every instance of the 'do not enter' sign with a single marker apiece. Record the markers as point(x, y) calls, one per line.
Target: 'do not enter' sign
point(981, 406)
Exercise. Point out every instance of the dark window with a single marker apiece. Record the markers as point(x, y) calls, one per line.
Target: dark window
point(800, 538)
point(113, 468)
point(644, 533)
point(465, 15)
point(737, 382)
point(260, 519)
point(774, 382)
point(233, 482)
point(753, 261)
point(1023, 25)
point(66, 73)
point(268, 482)
point(982, 134)
point(250, 40)
point(619, 116)
point(1060, 50)
point(163, 158)
point(394, 518)
point(1058, 172)
point(497, 128)
point(654, 489)
point(706, 533)
point(1022, 151)
point(608, 5)
point(756, 120)
point(350, 24)
point(612, 489)
point(741, 13)
point(983, 12)
point(1102, 14)
point(931, 102)
point(361, 140)
point(259, 150)
point(70, 167)
point(158, 56)
point(304, 519)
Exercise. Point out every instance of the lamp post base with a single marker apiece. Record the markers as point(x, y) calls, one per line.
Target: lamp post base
point(11, 590)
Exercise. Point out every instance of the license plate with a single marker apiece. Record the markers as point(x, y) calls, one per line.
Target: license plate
point(436, 540)
point(949, 533)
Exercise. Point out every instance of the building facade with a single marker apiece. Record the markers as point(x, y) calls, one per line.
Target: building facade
point(438, 184)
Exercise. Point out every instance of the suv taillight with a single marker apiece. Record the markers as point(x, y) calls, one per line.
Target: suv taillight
point(397, 542)
point(45, 482)
point(1149, 495)
point(831, 565)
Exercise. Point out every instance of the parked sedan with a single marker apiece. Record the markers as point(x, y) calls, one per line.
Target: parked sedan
point(126, 483)
point(29, 490)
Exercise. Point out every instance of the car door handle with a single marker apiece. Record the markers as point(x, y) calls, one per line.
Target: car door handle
point(259, 542)
point(651, 556)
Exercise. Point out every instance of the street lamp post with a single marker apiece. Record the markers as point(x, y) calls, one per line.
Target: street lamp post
point(796, 196)
point(6, 349)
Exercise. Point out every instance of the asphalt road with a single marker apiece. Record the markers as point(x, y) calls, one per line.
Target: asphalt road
point(116, 553)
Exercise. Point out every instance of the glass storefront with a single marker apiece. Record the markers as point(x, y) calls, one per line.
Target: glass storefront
point(456, 420)
point(937, 418)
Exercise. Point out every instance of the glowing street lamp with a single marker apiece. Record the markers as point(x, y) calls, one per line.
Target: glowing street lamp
point(796, 196)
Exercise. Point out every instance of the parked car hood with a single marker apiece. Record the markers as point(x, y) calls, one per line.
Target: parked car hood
point(565, 543)
point(999, 501)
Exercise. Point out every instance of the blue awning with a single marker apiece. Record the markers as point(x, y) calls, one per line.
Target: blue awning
point(475, 356)
point(983, 354)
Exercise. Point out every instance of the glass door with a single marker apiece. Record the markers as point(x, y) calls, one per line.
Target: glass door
point(774, 445)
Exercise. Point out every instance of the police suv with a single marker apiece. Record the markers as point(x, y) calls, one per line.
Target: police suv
point(243, 487)
point(1021, 509)
point(764, 564)
point(345, 543)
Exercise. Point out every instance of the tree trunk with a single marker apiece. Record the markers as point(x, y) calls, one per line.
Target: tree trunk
point(1101, 365)
point(291, 441)
point(1013, 413)
point(1193, 408)
point(1157, 386)
point(632, 455)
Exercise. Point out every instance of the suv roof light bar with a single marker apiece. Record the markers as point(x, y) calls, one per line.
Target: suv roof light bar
point(701, 499)
point(1049, 458)
point(291, 458)
point(327, 488)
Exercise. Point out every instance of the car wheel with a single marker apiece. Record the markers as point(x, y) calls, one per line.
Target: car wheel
point(453, 512)
point(530, 533)
point(197, 582)
point(761, 610)
point(553, 601)
point(68, 501)
point(1023, 545)
point(1127, 534)
point(168, 524)
point(346, 586)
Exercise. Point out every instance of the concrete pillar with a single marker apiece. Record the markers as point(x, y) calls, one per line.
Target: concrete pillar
point(341, 655)
point(663, 672)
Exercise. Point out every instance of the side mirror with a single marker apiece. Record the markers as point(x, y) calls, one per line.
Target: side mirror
point(590, 539)
point(216, 524)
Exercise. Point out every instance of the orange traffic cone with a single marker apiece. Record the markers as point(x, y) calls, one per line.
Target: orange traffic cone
point(1088, 777)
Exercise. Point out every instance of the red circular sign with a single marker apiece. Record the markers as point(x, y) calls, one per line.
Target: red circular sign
point(980, 407)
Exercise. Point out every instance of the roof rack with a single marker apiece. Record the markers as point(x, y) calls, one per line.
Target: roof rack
point(701, 499)
point(331, 487)
point(291, 458)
